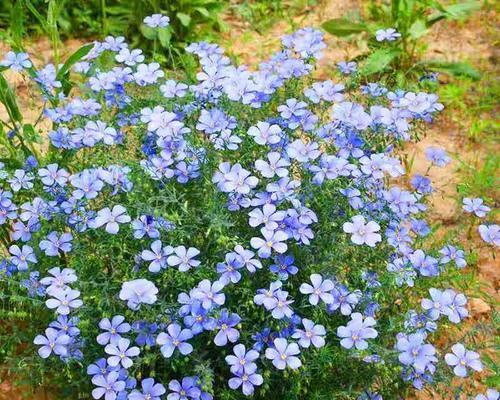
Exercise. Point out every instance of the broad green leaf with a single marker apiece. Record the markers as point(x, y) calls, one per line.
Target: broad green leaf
point(203, 11)
point(418, 29)
point(378, 61)
point(30, 134)
point(73, 59)
point(9, 101)
point(454, 68)
point(342, 27)
point(184, 18)
point(164, 35)
point(148, 32)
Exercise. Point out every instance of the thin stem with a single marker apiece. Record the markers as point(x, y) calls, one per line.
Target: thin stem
point(104, 18)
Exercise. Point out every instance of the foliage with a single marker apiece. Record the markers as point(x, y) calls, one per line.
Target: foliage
point(190, 20)
point(400, 59)
point(263, 14)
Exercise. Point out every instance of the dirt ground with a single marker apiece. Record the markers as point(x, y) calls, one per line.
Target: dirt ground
point(471, 40)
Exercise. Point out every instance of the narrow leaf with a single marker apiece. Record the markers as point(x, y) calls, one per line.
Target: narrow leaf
point(454, 68)
point(9, 101)
point(73, 59)
point(342, 27)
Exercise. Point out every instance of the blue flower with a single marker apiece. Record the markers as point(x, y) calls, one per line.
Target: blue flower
point(247, 379)
point(461, 358)
point(284, 266)
point(451, 253)
point(490, 234)
point(174, 338)
point(228, 270)
point(107, 386)
point(199, 320)
point(187, 389)
point(145, 333)
point(347, 68)
point(389, 35)
point(150, 391)
point(241, 360)
point(111, 219)
point(424, 264)
point(112, 329)
point(53, 342)
point(157, 256)
point(413, 351)
point(121, 353)
point(54, 243)
point(273, 240)
point(362, 232)
point(227, 332)
point(21, 257)
point(157, 21)
point(284, 354)
point(208, 293)
point(137, 292)
point(16, 61)
point(33, 284)
point(437, 156)
point(311, 334)
point(184, 258)
point(356, 332)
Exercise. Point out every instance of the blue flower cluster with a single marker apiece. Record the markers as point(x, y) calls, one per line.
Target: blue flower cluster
point(266, 166)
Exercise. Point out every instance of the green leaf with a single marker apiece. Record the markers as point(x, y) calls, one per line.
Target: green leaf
point(454, 11)
point(30, 134)
point(17, 18)
point(41, 20)
point(148, 32)
point(73, 59)
point(461, 10)
point(378, 61)
point(454, 68)
point(342, 27)
point(203, 11)
point(418, 29)
point(164, 35)
point(184, 18)
point(9, 101)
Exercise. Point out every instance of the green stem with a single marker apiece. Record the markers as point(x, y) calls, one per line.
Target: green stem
point(104, 18)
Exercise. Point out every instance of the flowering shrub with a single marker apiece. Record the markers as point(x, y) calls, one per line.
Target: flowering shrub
point(239, 235)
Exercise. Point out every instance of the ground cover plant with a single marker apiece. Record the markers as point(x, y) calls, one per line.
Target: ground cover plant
point(188, 20)
point(239, 235)
point(393, 33)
